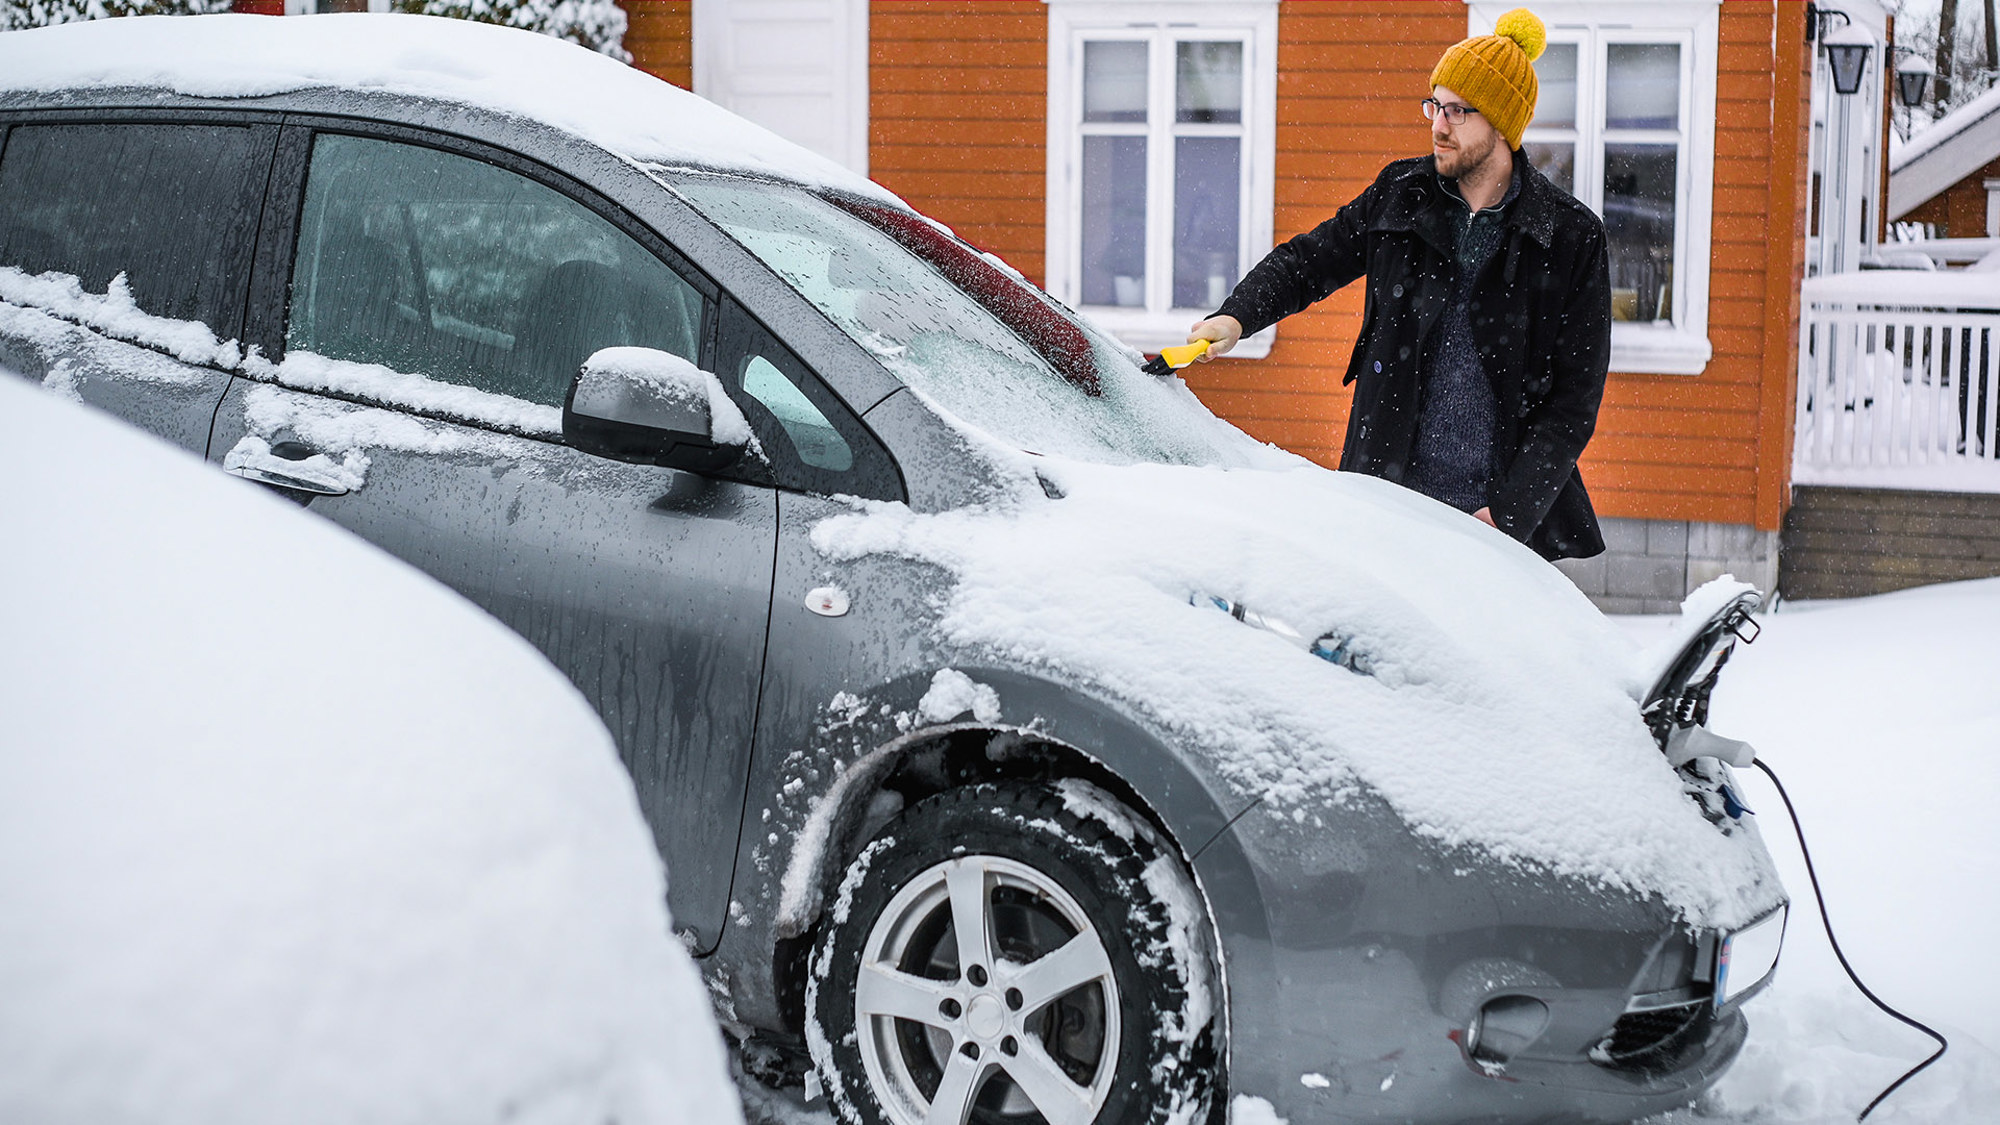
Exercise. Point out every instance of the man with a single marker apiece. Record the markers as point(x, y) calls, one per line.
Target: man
point(1487, 329)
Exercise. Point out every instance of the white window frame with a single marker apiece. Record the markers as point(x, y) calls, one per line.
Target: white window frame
point(1157, 323)
point(1683, 347)
point(308, 7)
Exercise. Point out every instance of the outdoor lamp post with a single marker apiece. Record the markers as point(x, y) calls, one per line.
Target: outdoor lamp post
point(1847, 54)
point(1842, 232)
point(1912, 75)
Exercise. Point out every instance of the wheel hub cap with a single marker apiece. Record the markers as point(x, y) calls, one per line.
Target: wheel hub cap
point(985, 1017)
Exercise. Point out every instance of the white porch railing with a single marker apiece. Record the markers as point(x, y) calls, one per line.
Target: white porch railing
point(1899, 381)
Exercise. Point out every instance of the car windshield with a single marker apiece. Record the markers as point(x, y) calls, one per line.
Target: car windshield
point(980, 345)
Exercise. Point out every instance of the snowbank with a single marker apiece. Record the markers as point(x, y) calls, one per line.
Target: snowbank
point(290, 832)
point(1496, 709)
point(626, 111)
point(1881, 717)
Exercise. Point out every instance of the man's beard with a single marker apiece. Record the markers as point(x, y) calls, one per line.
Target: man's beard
point(1457, 161)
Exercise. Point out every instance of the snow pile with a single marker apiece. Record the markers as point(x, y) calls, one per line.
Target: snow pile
point(659, 388)
point(1881, 717)
point(1495, 709)
point(376, 383)
point(1913, 289)
point(289, 832)
point(115, 313)
point(534, 76)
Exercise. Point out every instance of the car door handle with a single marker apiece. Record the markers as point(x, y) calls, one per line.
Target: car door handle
point(293, 465)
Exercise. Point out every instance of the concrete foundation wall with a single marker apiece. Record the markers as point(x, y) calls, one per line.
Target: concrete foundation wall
point(1648, 566)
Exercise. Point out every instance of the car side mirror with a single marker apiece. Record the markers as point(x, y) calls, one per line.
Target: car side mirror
point(652, 407)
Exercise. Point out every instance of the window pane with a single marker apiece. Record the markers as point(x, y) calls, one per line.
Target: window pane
point(1642, 86)
point(1114, 221)
point(172, 207)
point(1639, 223)
point(1556, 71)
point(1206, 182)
point(438, 265)
point(1208, 84)
point(813, 438)
point(1556, 161)
point(1114, 80)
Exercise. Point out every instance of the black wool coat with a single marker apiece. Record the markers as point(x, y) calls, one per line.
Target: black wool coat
point(1541, 322)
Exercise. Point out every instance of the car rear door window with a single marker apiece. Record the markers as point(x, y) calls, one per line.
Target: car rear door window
point(171, 207)
point(439, 265)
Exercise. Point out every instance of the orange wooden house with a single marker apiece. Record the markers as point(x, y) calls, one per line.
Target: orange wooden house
point(1136, 156)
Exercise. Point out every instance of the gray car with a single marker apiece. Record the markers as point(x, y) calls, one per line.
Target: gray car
point(650, 401)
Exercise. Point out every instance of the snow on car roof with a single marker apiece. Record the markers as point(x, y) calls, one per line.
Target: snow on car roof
point(559, 84)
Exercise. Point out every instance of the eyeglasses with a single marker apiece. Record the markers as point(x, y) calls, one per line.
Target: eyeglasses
point(1453, 112)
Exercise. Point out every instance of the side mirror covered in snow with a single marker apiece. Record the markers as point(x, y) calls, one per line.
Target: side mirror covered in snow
point(653, 408)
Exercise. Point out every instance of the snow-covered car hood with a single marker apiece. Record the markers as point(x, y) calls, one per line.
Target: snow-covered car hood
point(1495, 707)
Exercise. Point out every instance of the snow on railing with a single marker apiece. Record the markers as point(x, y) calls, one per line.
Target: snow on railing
point(1899, 381)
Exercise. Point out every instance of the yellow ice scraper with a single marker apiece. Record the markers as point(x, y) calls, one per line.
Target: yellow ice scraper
point(1173, 359)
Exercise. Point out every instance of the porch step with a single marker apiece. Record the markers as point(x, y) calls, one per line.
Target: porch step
point(1850, 542)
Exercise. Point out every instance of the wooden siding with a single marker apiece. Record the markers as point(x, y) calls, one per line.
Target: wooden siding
point(1960, 210)
point(660, 35)
point(958, 117)
point(957, 127)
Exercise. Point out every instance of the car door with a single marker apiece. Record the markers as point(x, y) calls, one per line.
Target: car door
point(439, 306)
point(125, 250)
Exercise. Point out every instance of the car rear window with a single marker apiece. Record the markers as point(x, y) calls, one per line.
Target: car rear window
point(172, 207)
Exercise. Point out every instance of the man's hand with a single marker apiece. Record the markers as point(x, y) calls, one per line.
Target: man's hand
point(1221, 332)
point(1485, 516)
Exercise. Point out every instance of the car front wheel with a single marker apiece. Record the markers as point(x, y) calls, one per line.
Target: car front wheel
point(1015, 953)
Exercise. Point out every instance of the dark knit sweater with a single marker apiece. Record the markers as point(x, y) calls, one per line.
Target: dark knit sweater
point(1452, 458)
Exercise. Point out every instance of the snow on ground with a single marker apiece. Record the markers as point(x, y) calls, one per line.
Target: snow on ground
point(1882, 717)
point(289, 832)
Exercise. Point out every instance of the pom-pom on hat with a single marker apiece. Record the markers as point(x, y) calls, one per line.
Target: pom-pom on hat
point(1495, 74)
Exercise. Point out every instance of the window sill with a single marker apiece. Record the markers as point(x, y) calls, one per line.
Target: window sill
point(1150, 332)
point(1649, 349)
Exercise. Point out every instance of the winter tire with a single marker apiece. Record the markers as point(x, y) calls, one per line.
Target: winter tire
point(1012, 954)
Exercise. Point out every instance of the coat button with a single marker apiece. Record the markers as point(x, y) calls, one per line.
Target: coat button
point(1378, 366)
point(1396, 291)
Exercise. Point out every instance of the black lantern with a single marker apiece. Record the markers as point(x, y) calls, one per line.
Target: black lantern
point(1847, 53)
point(1911, 76)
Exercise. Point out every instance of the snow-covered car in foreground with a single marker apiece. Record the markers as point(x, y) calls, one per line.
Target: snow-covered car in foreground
point(1025, 743)
point(288, 832)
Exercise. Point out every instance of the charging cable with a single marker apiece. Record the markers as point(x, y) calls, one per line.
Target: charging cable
point(1835, 942)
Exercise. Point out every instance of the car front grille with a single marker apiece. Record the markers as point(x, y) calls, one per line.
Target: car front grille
point(1656, 1039)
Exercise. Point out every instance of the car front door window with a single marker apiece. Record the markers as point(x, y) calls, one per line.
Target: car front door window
point(457, 271)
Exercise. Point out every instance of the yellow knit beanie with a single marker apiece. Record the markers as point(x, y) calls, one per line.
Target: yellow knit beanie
point(1495, 73)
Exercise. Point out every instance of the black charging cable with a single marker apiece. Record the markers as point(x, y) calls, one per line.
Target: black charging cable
point(1835, 942)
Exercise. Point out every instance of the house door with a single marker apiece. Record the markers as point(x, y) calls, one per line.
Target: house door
point(797, 67)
